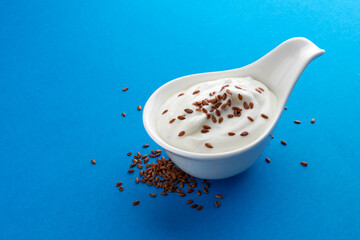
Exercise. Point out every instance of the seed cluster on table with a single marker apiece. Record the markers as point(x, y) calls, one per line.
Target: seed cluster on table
point(157, 171)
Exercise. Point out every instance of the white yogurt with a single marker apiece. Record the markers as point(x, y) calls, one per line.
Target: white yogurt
point(189, 134)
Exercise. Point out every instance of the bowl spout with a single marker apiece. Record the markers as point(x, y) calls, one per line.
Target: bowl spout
point(281, 68)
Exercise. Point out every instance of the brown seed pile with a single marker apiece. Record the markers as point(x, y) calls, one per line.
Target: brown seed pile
point(162, 173)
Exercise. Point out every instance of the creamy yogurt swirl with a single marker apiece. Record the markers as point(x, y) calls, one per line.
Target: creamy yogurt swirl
point(217, 116)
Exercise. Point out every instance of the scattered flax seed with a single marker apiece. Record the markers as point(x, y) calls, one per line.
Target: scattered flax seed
point(206, 127)
point(217, 204)
point(188, 111)
point(121, 188)
point(207, 185)
point(213, 118)
point(190, 190)
point(219, 196)
point(194, 206)
point(139, 108)
point(180, 94)
point(125, 89)
point(145, 146)
point(258, 90)
point(246, 105)
point(228, 91)
point(312, 120)
point(304, 164)
point(182, 133)
point(181, 117)
point(133, 165)
point(198, 192)
point(240, 97)
point(283, 142)
point(264, 116)
point(238, 87)
point(245, 133)
point(267, 160)
point(172, 120)
point(204, 131)
point(218, 113)
point(123, 114)
point(189, 201)
point(200, 207)
point(137, 180)
point(129, 153)
point(221, 119)
point(297, 122)
point(206, 190)
point(250, 118)
point(164, 193)
point(208, 145)
point(285, 107)
point(118, 184)
point(152, 194)
point(164, 111)
point(131, 171)
point(93, 161)
point(261, 89)
point(231, 133)
point(196, 92)
point(230, 116)
point(251, 105)
point(137, 202)
point(204, 180)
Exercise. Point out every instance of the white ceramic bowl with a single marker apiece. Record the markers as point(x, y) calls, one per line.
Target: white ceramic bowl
point(278, 70)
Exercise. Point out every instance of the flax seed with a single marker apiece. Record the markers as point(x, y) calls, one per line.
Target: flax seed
point(131, 171)
point(200, 207)
point(189, 201)
point(208, 145)
point(267, 160)
point(196, 92)
point(206, 127)
point(250, 118)
point(251, 105)
point(181, 184)
point(188, 111)
point(213, 118)
point(182, 133)
point(121, 188)
point(217, 204)
point(190, 190)
point(304, 164)
point(206, 190)
point(297, 122)
point(285, 107)
point(194, 206)
point(198, 192)
point(283, 142)
point(204, 131)
point(246, 105)
point(261, 89)
point(258, 90)
point(231, 133)
point(137, 202)
point(139, 108)
point(129, 153)
point(172, 120)
point(118, 184)
point(152, 194)
point(264, 116)
point(240, 97)
point(93, 161)
point(238, 87)
point(145, 146)
point(230, 116)
point(164, 193)
point(228, 91)
point(164, 112)
point(137, 180)
point(125, 89)
point(312, 120)
point(180, 94)
point(181, 117)
point(123, 114)
point(219, 196)
point(221, 119)
point(245, 133)
point(207, 185)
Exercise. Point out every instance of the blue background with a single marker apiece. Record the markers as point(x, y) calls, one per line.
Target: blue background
point(63, 65)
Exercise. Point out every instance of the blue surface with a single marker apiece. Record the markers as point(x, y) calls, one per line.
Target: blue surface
point(63, 65)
